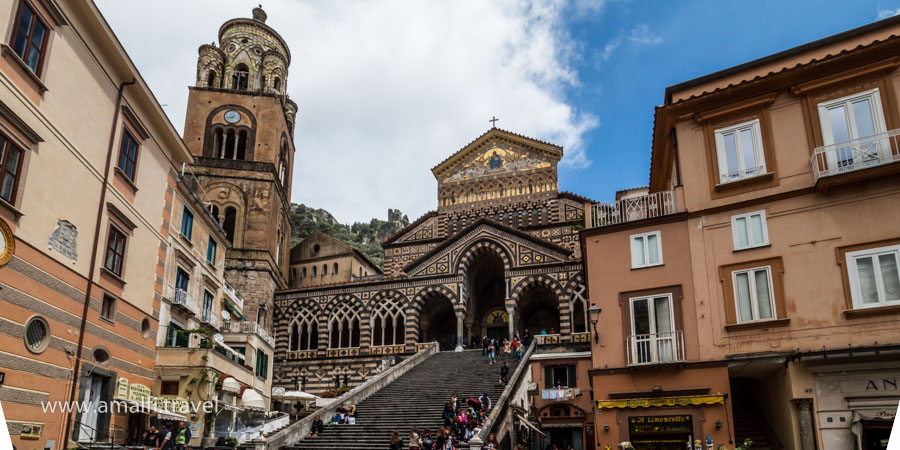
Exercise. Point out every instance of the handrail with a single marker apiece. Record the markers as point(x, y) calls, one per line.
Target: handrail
point(503, 402)
point(633, 208)
point(300, 429)
point(95, 434)
point(857, 154)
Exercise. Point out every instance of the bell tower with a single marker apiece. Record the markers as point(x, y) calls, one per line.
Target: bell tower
point(239, 126)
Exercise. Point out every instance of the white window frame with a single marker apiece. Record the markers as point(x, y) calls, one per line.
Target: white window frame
point(645, 237)
point(758, 150)
point(651, 308)
point(853, 275)
point(654, 338)
point(746, 217)
point(754, 300)
point(874, 97)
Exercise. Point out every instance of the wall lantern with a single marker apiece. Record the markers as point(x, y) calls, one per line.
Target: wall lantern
point(594, 315)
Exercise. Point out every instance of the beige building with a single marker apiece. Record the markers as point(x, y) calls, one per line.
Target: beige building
point(206, 348)
point(89, 163)
point(322, 259)
point(753, 292)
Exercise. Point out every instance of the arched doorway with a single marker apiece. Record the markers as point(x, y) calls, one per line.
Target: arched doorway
point(538, 310)
point(437, 322)
point(486, 295)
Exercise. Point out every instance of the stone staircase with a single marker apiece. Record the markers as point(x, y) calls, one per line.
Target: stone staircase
point(417, 399)
point(748, 422)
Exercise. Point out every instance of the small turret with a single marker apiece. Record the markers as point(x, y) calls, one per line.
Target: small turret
point(259, 14)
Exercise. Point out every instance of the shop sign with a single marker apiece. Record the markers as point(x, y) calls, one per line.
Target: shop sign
point(173, 404)
point(31, 431)
point(643, 424)
point(662, 402)
point(122, 389)
point(138, 392)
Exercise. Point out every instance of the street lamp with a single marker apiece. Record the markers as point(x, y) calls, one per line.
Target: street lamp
point(594, 315)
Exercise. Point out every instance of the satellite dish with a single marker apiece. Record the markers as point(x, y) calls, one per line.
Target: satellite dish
point(226, 315)
point(218, 338)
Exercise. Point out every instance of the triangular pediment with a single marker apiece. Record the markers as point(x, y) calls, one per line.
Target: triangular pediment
point(517, 249)
point(497, 152)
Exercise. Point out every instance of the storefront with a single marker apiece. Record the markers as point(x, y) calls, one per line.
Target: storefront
point(661, 432)
point(663, 423)
point(856, 404)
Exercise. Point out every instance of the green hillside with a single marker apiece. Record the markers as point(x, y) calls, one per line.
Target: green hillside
point(365, 237)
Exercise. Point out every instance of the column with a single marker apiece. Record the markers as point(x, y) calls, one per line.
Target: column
point(460, 316)
point(512, 321)
point(804, 419)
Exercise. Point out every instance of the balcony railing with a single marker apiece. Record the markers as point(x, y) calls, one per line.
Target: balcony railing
point(235, 326)
point(657, 348)
point(181, 298)
point(210, 318)
point(233, 295)
point(631, 209)
point(858, 154)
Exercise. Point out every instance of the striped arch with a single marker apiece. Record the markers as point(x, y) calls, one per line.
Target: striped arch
point(407, 306)
point(284, 317)
point(417, 306)
point(553, 286)
point(481, 246)
point(345, 302)
point(574, 292)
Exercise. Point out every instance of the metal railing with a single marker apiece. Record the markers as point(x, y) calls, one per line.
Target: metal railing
point(87, 436)
point(210, 318)
point(656, 348)
point(634, 208)
point(858, 154)
point(180, 297)
point(247, 327)
point(741, 174)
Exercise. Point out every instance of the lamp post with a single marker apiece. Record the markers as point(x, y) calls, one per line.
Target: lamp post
point(594, 315)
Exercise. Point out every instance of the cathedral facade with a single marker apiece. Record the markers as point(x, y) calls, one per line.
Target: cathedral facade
point(500, 253)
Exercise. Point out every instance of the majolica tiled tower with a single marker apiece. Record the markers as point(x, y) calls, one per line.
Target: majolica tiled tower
point(239, 126)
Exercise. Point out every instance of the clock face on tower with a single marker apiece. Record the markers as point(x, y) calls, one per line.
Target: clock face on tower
point(232, 116)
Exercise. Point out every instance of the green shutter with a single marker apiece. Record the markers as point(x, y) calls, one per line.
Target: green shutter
point(548, 377)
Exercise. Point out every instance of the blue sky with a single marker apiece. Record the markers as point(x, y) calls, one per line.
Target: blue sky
point(675, 42)
point(389, 88)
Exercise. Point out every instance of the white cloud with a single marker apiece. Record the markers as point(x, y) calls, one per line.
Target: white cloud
point(387, 89)
point(885, 13)
point(639, 35)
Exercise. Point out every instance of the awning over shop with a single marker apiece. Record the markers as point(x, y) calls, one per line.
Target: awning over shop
point(253, 400)
point(562, 425)
point(235, 309)
point(529, 424)
point(661, 401)
point(231, 385)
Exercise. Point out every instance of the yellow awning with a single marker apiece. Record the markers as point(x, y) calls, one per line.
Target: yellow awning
point(661, 401)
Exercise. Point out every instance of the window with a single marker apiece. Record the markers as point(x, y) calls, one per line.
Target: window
point(562, 376)
point(37, 334)
point(29, 37)
point(314, 270)
point(207, 306)
point(262, 364)
point(187, 223)
point(388, 323)
point(211, 251)
point(304, 273)
point(645, 250)
point(108, 308)
point(850, 118)
point(181, 279)
point(874, 277)
point(10, 167)
point(334, 268)
point(740, 152)
point(304, 332)
point(174, 338)
point(324, 269)
point(579, 310)
point(277, 84)
point(753, 294)
point(211, 79)
point(229, 223)
point(344, 327)
point(749, 230)
point(653, 337)
point(240, 79)
point(128, 155)
point(115, 251)
point(168, 388)
point(239, 349)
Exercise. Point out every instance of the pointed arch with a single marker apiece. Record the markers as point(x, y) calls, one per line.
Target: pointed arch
point(483, 245)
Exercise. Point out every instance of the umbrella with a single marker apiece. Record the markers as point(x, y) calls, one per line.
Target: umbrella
point(296, 395)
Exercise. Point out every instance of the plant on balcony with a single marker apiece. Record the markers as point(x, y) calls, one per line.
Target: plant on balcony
point(334, 393)
point(204, 343)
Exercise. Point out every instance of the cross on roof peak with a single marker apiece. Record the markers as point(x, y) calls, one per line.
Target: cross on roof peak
point(493, 121)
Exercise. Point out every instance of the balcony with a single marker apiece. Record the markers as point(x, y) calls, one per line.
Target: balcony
point(856, 155)
point(630, 209)
point(211, 320)
point(233, 295)
point(245, 327)
point(181, 300)
point(657, 348)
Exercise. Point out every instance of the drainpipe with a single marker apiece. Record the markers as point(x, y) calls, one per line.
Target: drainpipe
point(92, 267)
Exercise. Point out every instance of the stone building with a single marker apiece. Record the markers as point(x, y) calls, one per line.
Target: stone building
point(500, 253)
point(321, 259)
point(239, 126)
